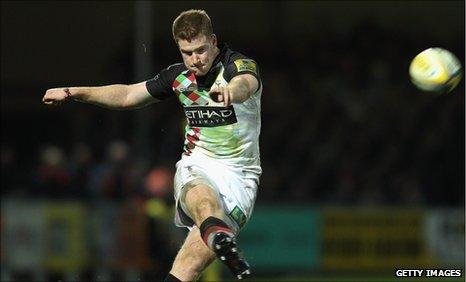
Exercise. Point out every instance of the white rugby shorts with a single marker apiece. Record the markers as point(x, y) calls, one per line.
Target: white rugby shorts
point(236, 187)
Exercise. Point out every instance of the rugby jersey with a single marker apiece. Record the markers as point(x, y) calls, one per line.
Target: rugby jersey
point(229, 134)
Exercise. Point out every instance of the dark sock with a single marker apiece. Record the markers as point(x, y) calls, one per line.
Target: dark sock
point(211, 226)
point(171, 278)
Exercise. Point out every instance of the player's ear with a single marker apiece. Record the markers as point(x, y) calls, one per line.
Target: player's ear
point(213, 39)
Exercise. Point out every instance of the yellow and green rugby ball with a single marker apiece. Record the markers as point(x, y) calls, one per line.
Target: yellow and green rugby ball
point(435, 70)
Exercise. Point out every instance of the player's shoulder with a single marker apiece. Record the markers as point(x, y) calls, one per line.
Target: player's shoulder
point(171, 72)
point(238, 62)
point(176, 68)
point(168, 74)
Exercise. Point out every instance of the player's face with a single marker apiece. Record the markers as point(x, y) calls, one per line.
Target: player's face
point(199, 53)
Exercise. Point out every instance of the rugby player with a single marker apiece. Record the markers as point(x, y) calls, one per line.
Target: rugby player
point(218, 174)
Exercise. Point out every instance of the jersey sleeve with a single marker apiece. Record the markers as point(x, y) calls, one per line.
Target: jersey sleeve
point(160, 87)
point(241, 65)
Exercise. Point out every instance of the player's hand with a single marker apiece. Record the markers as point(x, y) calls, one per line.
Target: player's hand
point(221, 94)
point(56, 96)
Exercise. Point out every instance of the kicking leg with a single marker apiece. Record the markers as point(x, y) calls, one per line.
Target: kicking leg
point(206, 210)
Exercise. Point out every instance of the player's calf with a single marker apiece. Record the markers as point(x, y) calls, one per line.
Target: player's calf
point(221, 239)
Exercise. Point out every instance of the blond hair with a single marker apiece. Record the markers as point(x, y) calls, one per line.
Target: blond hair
point(191, 23)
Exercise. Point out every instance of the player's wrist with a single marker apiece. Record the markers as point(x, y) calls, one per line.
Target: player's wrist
point(69, 95)
point(232, 95)
point(237, 95)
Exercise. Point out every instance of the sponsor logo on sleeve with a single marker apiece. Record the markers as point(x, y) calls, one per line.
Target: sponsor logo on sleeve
point(246, 65)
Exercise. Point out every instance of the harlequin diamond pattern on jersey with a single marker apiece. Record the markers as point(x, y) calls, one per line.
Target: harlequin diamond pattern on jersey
point(192, 136)
point(185, 87)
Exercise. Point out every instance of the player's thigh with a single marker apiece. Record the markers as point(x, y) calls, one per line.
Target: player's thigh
point(202, 201)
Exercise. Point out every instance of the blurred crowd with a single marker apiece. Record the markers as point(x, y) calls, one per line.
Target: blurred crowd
point(348, 127)
point(78, 174)
point(341, 125)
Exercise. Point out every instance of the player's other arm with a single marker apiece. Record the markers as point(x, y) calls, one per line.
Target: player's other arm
point(115, 96)
point(238, 90)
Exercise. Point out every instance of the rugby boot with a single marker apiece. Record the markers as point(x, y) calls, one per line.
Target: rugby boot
point(227, 251)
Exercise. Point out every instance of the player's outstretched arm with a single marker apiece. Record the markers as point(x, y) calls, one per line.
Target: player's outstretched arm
point(115, 96)
point(238, 90)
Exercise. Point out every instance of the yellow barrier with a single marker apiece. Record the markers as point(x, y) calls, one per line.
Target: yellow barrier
point(369, 239)
point(65, 237)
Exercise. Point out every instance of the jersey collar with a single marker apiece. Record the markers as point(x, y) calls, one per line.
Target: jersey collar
point(223, 47)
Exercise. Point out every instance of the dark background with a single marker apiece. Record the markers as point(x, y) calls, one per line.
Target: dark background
point(337, 96)
point(341, 122)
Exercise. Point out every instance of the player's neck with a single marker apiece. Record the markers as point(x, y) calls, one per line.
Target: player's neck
point(216, 52)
